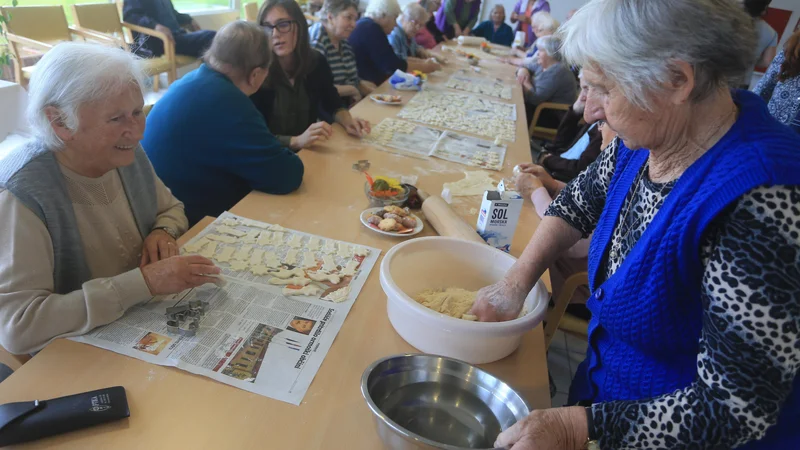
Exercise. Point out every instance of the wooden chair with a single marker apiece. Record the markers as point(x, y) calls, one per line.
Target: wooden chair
point(33, 30)
point(251, 12)
point(104, 19)
point(539, 132)
point(556, 316)
point(11, 360)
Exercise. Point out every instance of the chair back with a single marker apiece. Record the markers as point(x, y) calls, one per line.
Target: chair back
point(100, 17)
point(251, 12)
point(40, 23)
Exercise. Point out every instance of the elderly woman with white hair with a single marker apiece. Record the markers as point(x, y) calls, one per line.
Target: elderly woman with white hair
point(694, 265)
point(545, 25)
point(375, 58)
point(552, 80)
point(88, 228)
point(410, 22)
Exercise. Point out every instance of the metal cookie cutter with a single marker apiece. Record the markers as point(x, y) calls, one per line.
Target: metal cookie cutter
point(361, 165)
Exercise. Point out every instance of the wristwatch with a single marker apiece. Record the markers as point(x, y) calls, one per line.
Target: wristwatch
point(591, 441)
point(169, 230)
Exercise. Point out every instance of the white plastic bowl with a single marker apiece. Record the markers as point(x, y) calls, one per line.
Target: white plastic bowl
point(441, 262)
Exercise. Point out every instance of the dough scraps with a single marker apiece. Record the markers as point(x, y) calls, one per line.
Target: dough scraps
point(454, 302)
point(284, 273)
point(475, 183)
point(309, 290)
point(323, 276)
point(295, 281)
point(250, 237)
point(224, 229)
point(209, 249)
point(339, 295)
point(221, 238)
point(225, 254)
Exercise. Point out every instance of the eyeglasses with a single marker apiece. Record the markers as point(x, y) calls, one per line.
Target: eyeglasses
point(283, 26)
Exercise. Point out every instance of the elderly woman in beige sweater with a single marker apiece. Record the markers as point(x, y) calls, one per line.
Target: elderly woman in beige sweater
point(87, 228)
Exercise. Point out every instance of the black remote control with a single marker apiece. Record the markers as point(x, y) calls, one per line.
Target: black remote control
point(28, 421)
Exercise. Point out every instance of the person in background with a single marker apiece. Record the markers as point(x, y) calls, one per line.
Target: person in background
point(315, 7)
point(410, 22)
point(161, 16)
point(430, 36)
point(694, 261)
point(213, 149)
point(375, 57)
point(545, 25)
point(88, 228)
point(551, 82)
point(522, 15)
point(457, 17)
point(496, 30)
point(299, 87)
point(329, 37)
point(767, 45)
point(577, 144)
point(780, 86)
point(571, 13)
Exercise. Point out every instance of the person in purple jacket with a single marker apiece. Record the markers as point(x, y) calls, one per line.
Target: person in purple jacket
point(522, 14)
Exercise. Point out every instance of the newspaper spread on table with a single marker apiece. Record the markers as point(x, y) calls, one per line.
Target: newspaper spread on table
point(266, 327)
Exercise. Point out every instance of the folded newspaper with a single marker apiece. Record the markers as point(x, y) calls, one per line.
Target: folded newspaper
point(282, 298)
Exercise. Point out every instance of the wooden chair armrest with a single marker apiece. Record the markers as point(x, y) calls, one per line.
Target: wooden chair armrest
point(554, 316)
point(95, 35)
point(28, 42)
point(542, 107)
point(169, 46)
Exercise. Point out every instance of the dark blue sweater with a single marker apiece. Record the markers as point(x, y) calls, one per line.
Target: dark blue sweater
point(375, 57)
point(503, 36)
point(211, 146)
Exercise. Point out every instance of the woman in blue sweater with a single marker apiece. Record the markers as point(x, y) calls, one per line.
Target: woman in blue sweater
point(694, 265)
point(207, 141)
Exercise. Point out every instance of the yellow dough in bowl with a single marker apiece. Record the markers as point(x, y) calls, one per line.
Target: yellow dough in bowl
point(455, 302)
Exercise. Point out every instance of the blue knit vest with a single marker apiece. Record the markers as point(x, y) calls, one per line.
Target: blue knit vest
point(647, 317)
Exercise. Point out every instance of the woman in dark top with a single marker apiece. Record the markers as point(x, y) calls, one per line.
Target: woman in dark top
point(299, 88)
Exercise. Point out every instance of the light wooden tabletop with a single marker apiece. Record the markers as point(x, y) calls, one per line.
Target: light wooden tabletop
point(174, 409)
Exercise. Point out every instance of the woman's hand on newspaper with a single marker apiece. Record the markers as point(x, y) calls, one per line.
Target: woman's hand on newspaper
point(175, 274)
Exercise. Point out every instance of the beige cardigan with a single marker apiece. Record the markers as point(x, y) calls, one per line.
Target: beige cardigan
point(30, 314)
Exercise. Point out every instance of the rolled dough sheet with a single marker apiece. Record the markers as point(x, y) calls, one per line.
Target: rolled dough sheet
point(475, 183)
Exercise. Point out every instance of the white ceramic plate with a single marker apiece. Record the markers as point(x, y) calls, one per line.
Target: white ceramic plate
point(368, 212)
point(375, 99)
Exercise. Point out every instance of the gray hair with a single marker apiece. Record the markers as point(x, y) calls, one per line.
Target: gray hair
point(415, 12)
point(637, 43)
point(378, 9)
point(336, 7)
point(239, 47)
point(545, 21)
point(72, 74)
point(551, 45)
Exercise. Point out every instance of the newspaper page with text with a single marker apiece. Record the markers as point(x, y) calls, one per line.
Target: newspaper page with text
point(267, 325)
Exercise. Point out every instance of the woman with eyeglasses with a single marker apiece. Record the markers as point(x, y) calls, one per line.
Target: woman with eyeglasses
point(299, 88)
point(410, 22)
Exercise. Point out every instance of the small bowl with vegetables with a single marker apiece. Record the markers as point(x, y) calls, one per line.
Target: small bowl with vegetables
point(385, 191)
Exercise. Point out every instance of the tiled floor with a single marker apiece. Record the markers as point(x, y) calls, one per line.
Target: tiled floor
point(565, 353)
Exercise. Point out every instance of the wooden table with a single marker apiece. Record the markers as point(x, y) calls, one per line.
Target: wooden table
point(174, 409)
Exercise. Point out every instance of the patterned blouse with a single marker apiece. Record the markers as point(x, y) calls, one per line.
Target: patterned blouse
point(756, 239)
point(783, 96)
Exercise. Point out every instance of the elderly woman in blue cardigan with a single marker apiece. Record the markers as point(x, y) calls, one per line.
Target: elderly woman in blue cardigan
point(694, 265)
point(88, 229)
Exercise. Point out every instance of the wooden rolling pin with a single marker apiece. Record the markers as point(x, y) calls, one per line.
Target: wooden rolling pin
point(444, 220)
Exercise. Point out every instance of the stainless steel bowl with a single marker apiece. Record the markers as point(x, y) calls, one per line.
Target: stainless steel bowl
point(432, 402)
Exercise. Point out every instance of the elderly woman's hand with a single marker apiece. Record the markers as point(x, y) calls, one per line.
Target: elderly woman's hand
point(499, 302)
point(523, 75)
point(541, 173)
point(157, 246)
point(556, 428)
point(526, 184)
point(173, 275)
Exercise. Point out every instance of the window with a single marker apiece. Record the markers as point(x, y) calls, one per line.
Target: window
point(190, 6)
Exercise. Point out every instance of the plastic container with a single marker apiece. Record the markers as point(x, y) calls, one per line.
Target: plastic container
point(442, 262)
point(374, 202)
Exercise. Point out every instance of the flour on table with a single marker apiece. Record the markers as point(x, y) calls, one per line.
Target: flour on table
point(475, 183)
